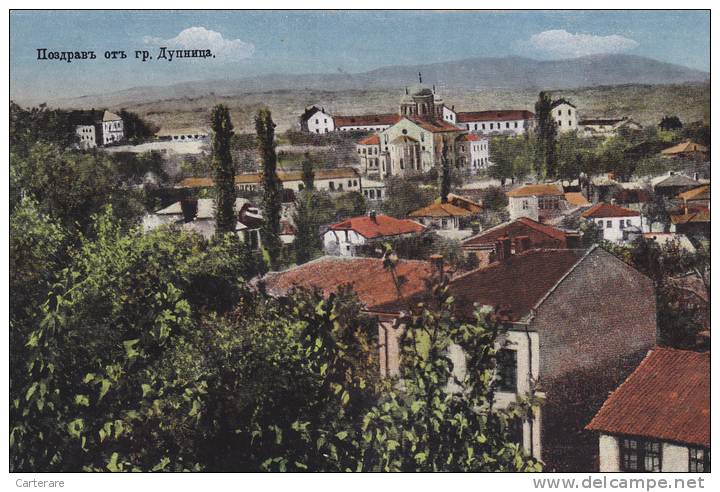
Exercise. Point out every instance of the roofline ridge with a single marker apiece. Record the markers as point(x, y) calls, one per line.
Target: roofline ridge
point(560, 280)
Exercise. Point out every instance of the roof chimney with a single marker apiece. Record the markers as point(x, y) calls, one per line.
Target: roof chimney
point(502, 248)
point(522, 243)
point(189, 207)
point(373, 216)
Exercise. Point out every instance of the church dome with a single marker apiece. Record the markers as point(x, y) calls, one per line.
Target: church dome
point(420, 90)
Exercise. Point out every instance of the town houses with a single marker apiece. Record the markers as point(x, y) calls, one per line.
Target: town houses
point(97, 128)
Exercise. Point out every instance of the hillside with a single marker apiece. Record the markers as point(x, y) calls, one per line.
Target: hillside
point(645, 103)
point(468, 74)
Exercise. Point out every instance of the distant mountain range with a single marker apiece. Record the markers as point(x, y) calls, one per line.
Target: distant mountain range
point(472, 73)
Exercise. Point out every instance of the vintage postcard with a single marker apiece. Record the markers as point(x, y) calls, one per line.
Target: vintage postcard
point(359, 241)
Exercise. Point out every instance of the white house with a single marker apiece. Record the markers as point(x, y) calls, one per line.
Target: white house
point(658, 420)
point(373, 190)
point(565, 115)
point(477, 152)
point(317, 120)
point(536, 201)
point(87, 136)
point(339, 179)
point(607, 126)
point(344, 238)
point(494, 122)
point(198, 215)
point(619, 225)
point(112, 128)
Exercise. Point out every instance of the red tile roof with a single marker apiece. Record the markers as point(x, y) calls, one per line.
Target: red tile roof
point(515, 285)
point(603, 210)
point(367, 120)
point(256, 178)
point(373, 284)
point(701, 215)
point(683, 147)
point(666, 398)
point(699, 193)
point(536, 190)
point(498, 115)
point(381, 226)
point(471, 137)
point(520, 227)
point(437, 209)
point(576, 198)
point(434, 125)
point(371, 140)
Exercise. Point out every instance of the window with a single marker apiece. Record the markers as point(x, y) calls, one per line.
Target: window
point(699, 460)
point(355, 182)
point(559, 112)
point(379, 193)
point(331, 185)
point(600, 224)
point(559, 122)
point(569, 112)
point(638, 455)
point(524, 204)
point(349, 183)
point(317, 121)
point(507, 124)
point(608, 224)
point(300, 187)
point(516, 124)
point(491, 126)
point(622, 224)
point(507, 370)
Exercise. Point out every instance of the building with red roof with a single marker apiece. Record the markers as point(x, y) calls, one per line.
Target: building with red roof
point(573, 335)
point(658, 419)
point(522, 234)
point(346, 237)
point(619, 225)
point(496, 122)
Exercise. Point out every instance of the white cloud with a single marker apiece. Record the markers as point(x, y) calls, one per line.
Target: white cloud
point(562, 44)
point(201, 38)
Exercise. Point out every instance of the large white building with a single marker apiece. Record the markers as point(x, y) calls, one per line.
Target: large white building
point(95, 129)
point(496, 122)
point(565, 115)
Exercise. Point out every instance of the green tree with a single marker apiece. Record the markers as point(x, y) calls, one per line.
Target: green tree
point(136, 129)
point(668, 123)
point(545, 137)
point(404, 196)
point(445, 174)
point(502, 158)
point(308, 175)
point(223, 170)
point(272, 187)
point(438, 419)
point(39, 124)
point(307, 240)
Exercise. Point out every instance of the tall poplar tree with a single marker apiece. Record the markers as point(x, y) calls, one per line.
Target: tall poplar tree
point(223, 170)
point(444, 173)
point(272, 198)
point(308, 175)
point(545, 136)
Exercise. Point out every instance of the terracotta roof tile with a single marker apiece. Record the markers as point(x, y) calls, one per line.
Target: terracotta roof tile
point(372, 283)
point(497, 115)
point(699, 193)
point(367, 120)
point(437, 209)
point(536, 190)
point(370, 140)
point(577, 199)
point(666, 398)
point(683, 147)
point(603, 210)
point(702, 215)
point(497, 285)
point(381, 226)
point(519, 227)
point(435, 125)
point(256, 178)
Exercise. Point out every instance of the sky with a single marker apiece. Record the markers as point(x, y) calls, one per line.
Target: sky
point(248, 43)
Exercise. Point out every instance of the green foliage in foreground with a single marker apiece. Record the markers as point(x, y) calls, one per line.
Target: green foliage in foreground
point(150, 352)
